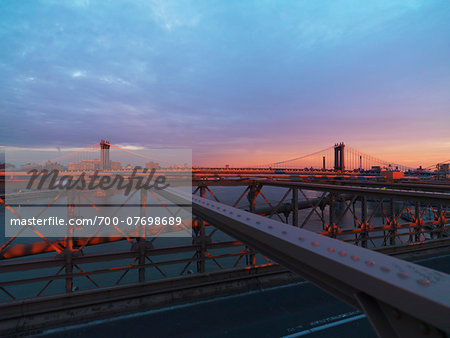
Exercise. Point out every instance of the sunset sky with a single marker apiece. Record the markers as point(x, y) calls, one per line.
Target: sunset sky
point(239, 82)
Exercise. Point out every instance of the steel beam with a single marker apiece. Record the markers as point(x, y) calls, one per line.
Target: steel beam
point(361, 277)
point(425, 196)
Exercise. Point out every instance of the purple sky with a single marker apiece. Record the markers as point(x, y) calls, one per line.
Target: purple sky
point(238, 82)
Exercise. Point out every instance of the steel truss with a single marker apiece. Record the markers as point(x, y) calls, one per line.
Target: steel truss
point(303, 204)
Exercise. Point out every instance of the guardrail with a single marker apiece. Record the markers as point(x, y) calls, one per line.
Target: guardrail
point(399, 298)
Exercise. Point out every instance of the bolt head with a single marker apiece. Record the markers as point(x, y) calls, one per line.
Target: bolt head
point(403, 275)
point(424, 282)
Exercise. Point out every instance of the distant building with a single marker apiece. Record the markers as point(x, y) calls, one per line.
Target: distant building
point(53, 166)
point(46, 166)
point(392, 175)
point(443, 171)
point(152, 165)
point(85, 165)
point(91, 165)
point(30, 166)
point(376, 168)
point(116, 165)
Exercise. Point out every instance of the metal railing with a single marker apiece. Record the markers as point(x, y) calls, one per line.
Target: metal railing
point(399, 298)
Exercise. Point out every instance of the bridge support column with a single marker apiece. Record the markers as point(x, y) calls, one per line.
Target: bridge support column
point(141, 245)
point(339, 157)
point(442, 221)
point(252, 194)
point(418, 227)
point(104, 155)
point(393, 223)
point(332, 212)
point(295, 206)
point(364, 221)
point(69, 270)
point(200, 238)
point(141, 238)
point(68, 252)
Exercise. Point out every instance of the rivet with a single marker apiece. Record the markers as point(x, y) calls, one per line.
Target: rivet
point(238, 215)
point(248, 218)
point(355, 258)
point(385, 269)
point(301, 238)
point(284, 232)
point(423, 282)
point(331, 249)
point(315, 243)
point(370, 263)
point(403, 275)
point(258, 222)
point(343, 253)
point(270, 227)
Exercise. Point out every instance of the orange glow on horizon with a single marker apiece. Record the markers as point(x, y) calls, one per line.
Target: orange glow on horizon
point(425, 156)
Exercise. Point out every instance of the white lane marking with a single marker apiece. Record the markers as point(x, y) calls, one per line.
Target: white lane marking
point(325, 326)
point(174, 307)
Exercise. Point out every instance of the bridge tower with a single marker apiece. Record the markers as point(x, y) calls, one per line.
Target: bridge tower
point(339, 158)
point(104, 155)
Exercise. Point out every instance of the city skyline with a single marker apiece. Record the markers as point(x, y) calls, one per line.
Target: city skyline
point(34, 156)
point(239, 83)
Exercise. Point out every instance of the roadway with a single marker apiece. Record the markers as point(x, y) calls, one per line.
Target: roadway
point(294, 310)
